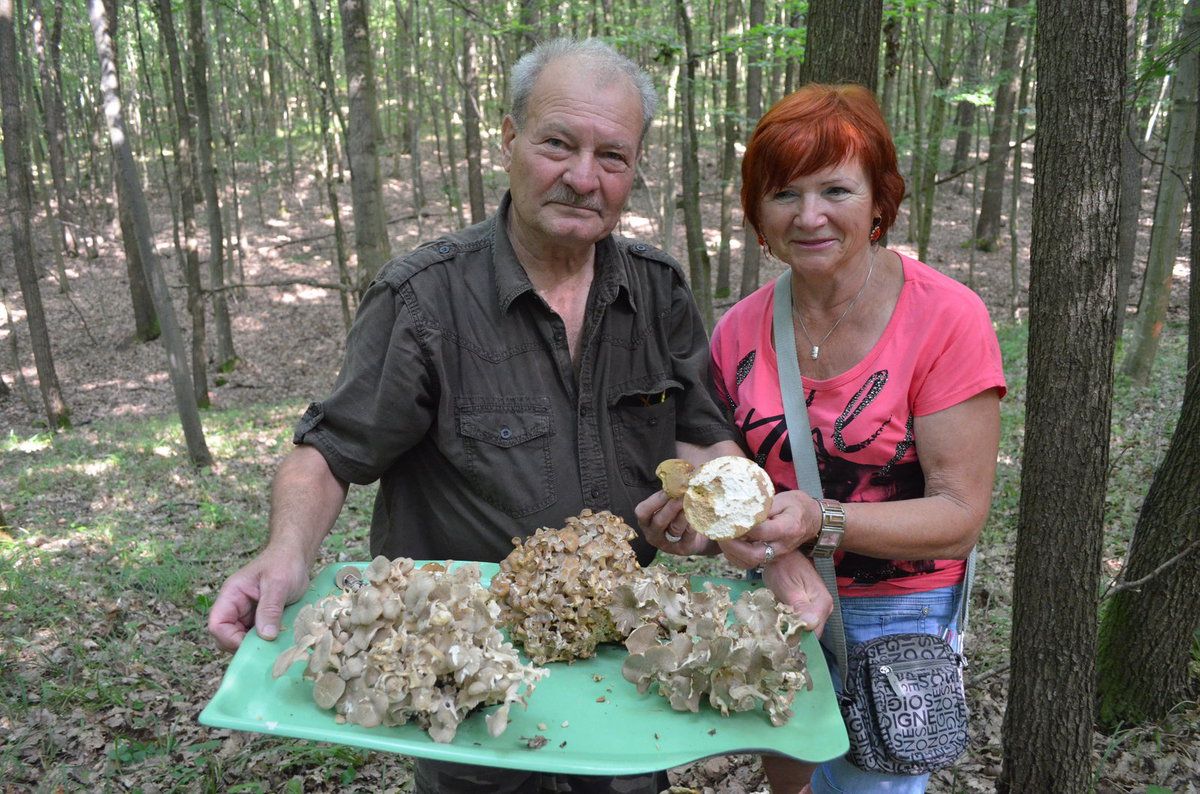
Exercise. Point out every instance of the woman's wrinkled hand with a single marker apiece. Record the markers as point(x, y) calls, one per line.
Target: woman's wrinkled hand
point(797, 584)
point(794, 520)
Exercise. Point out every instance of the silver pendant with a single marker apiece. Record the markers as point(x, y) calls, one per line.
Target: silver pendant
point(816, 351)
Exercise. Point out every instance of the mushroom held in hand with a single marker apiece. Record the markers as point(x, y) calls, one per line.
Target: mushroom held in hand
point(726, 497)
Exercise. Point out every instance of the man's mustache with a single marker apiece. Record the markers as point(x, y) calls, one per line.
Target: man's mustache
point(561, 194)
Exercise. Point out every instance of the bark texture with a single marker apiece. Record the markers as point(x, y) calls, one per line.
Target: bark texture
point(1080, 48)
point(843, 42)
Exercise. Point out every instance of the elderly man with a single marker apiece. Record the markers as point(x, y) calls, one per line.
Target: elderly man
point(505, 377)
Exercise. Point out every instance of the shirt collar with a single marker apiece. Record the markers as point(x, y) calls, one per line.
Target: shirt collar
point(512, 280)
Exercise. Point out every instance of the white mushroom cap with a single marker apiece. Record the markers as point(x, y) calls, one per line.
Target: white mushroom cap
point(727, 496)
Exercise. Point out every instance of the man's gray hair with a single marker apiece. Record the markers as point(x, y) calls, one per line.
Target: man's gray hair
point(598, 55)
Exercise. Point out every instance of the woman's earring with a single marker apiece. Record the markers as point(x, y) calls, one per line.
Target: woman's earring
point(876, 229)
point(762, 243)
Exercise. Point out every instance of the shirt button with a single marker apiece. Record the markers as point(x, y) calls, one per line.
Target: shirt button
point(640, 247)
point(443, 249)
point(595, 493)
point(584, 410)
point(505, 433)
point(653, 421)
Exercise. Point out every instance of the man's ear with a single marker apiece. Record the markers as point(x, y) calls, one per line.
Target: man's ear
point(508, 133)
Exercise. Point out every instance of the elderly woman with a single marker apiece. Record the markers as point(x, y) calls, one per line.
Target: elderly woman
point(902, 378)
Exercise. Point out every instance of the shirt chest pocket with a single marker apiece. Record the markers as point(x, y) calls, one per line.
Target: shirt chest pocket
point(507, 453)
point(643, 423)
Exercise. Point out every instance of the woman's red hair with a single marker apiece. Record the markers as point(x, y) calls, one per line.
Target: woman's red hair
point(817, 127)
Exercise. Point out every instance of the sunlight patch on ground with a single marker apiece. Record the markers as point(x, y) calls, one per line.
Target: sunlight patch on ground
point(33, 444)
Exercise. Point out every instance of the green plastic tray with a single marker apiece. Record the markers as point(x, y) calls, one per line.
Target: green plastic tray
point(611, 729)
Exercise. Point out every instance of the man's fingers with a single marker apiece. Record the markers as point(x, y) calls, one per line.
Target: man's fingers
point(270, 610)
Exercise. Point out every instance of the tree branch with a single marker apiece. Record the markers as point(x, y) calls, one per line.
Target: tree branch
point(1117, 586)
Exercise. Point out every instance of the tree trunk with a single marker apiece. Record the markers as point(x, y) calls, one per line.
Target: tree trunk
point(1080, 47)
point(470, 102)
point(987, 227)
point(843, 42)
point(1147, 632)
point(145, 321)
point(406, 20)
point(892, 54)
point(1014, 196)
point(1170, 205)
point(370, 222)
point(226, 358)
point(732, 135)
point(751, 250)
point(964, 113)
point(185, 168)
point(323, 47)
point(185, 403)
point(18, 177)
point(937, 121)
point(54, 118)
point(1131, 180)
point(698, 264)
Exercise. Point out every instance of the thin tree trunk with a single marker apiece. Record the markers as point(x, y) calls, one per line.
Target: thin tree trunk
point(470, 104)
point(751, 251)
point(698, 264)
point(18, 177)
point(987, 227)
point(964, 113)
point(1170, 205)
point(892, 54)
point(1014, 205)
point(929, 162)
point(226, 358)
point(184, 170)
point(407, 18)
point(323, 48)
point(1131, 180)
point(732, 135)
point(185, 403)
point(47, 47)
point(145, 320)
point(1080, 48)
point(370, 222)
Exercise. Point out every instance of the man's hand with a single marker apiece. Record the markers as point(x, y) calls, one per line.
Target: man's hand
point(665, 527)
point(254, 597)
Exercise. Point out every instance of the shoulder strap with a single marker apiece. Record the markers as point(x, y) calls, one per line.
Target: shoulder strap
point(804, 459)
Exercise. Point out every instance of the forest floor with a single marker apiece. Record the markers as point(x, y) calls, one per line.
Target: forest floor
point(112, 531)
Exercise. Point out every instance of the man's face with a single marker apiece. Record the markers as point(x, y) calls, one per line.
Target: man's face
point(572, 166)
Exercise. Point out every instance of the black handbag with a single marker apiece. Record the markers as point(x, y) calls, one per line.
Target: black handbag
point(902, 698)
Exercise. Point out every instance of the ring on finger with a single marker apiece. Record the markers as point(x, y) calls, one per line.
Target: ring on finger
point(768, 553)
point(672, 538)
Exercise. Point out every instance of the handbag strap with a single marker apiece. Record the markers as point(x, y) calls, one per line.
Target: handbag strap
point(805, 461)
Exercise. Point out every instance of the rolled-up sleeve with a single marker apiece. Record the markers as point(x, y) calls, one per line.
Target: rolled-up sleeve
point(383, 400)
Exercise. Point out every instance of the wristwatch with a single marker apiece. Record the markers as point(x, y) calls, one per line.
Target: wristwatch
point(833, 526)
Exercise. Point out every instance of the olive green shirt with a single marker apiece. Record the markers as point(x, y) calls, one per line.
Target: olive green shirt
point(458, 394)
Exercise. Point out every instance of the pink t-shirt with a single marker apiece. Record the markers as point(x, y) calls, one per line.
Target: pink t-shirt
point(939, 348)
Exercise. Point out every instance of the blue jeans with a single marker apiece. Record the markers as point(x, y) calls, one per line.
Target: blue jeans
point(864, 618)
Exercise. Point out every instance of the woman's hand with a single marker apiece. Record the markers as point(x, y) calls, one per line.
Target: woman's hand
point(666, 527)
point(797, 584)
point(794, 519)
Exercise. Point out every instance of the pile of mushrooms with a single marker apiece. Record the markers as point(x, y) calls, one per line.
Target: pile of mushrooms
point(410, 644)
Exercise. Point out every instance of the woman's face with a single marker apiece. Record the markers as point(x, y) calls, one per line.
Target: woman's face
point(820, 222)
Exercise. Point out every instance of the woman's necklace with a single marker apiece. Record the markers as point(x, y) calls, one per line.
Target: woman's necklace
point(815, 350)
